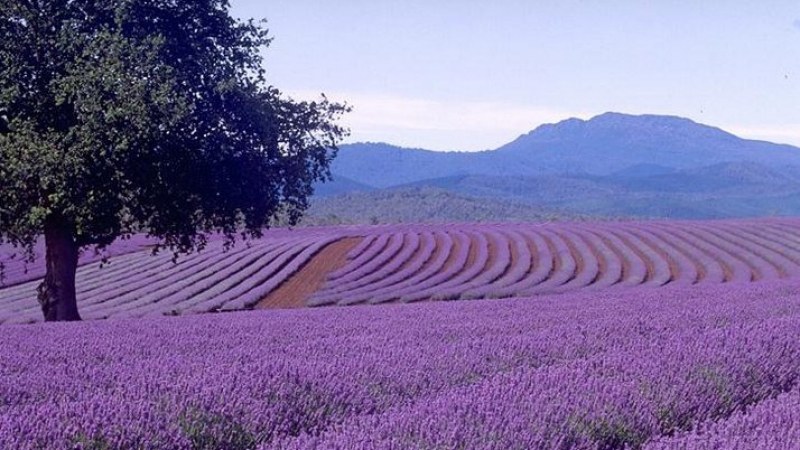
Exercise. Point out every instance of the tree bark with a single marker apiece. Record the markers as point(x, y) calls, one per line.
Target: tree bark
point(56, 293)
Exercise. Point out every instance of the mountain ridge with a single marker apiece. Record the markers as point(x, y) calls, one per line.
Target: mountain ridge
point(613, 164)
point(601, 145)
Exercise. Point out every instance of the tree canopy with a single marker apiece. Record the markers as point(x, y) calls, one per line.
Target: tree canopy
point(120, 116)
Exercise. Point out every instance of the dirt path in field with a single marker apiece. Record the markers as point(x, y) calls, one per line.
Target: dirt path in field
point(294, 292)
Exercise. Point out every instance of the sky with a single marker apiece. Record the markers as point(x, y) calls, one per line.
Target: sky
point(473, 75)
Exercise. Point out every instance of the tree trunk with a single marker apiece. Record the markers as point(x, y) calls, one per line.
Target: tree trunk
point(57, 292)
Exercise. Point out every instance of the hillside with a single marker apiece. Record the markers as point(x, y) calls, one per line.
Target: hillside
point(605, 144)
point(428, 204)
point(724, 190)
point(340, 185)
point(609, 166)
point(348, 265)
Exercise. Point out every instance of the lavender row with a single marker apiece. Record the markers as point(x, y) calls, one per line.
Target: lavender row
point(392, 276)
point(140, 284)
point(645, 266)
point(688, 263)
point(740, 269)
point(473, 266)
point(620, 263)
point(214, 281)
point(248, 298)
point(658, 380)
point(496, 264)
point(376, 245)
point(764, 263)
point(568, 257)
point(519, 268)
point(17, 270)
point(398, 252)
point(449, 269)
point(407, 263)
point(424, 274)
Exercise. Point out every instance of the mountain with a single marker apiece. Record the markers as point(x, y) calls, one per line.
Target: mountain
point(644, 170)
point(603, 145)
point(383, 165)
point(613, 165)
point(612, 141)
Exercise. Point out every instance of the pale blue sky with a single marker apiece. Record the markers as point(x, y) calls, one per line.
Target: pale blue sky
point(472, 75)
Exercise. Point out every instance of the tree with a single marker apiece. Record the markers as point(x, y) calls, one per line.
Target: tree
point(120, 116)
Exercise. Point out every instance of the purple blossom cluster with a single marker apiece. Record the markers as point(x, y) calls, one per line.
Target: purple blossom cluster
point(701, 367)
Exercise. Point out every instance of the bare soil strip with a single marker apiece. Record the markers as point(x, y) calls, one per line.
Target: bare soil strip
point(294, 292)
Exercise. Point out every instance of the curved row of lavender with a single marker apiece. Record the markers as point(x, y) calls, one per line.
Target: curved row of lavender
point(699, 367)
point(411, 263)
point(138, 284)
point(517, 260)
point(16, 267)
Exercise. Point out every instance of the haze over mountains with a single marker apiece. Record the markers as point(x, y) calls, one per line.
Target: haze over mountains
point(611, 165)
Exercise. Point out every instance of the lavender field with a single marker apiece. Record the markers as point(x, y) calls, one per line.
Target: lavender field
point(411, 263)
point(596, 335)
point(703, 367)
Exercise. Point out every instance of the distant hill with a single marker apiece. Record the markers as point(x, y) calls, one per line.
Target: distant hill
point(611, 142)
point(340, 185)
point(425, 204)
point(605, 144)
point(611, 165)
point(384, 165)
point(722, 190)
